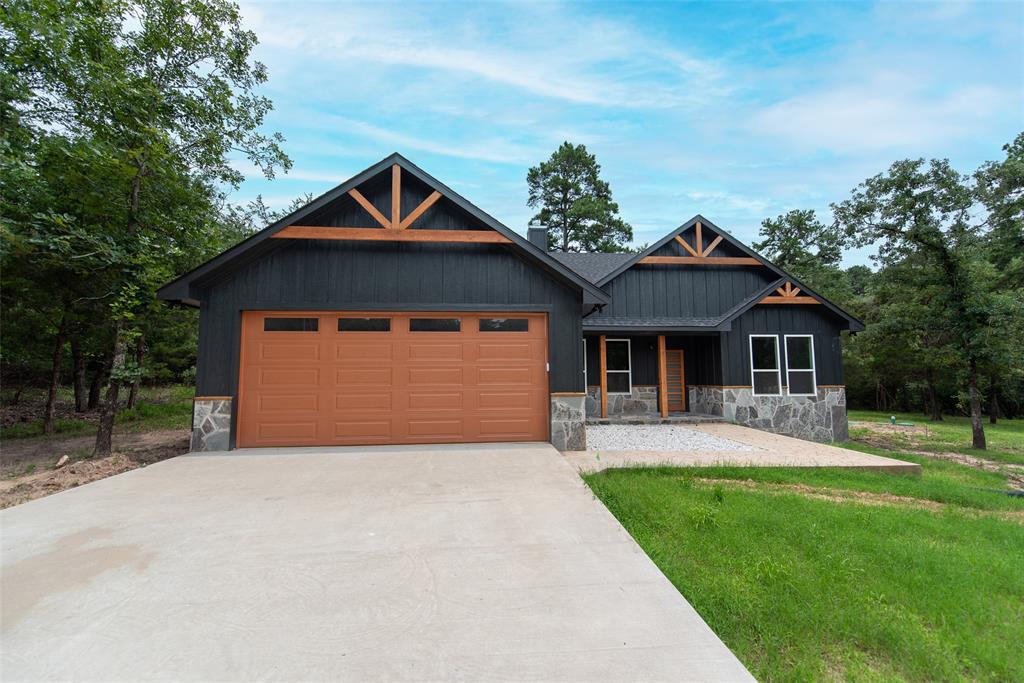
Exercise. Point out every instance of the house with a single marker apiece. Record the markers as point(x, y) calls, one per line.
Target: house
point(391, 310)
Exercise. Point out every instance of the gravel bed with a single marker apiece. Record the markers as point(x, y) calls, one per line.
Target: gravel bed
point(657, 438)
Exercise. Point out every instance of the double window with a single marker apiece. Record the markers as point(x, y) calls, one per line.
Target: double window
point(617, 365)
point(766, 365)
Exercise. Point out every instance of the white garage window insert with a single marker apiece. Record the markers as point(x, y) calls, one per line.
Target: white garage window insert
point(619, 370)
point(800, 373)
point(765, 369)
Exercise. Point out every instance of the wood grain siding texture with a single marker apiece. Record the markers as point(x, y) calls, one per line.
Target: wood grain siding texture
point(782, 320)
point(337, 275)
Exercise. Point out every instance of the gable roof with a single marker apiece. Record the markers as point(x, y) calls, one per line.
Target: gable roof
point(591, 266)
point(853, 324)
point(180, 290)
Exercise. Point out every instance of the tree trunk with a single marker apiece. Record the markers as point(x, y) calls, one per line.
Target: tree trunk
point(993, 400)
point(977, 428)
point(99, 379)
point(933, 400)
point(81, 396)
point(105, 432)
point(51, 396)
point(140, 353)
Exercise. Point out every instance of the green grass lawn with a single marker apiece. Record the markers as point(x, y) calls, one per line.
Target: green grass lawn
point(168, 407)
point(1005, 440)
point(802, 588)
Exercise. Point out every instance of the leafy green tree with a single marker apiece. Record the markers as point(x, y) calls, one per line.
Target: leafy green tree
point(575, 204)
point(922, 212)
point(149, 99)
point(799, 243)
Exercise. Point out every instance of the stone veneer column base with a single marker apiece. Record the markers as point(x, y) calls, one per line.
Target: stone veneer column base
point(642, 400)
point(211, 423)
point(815, 418)
point(568, 422)
point(705, 400)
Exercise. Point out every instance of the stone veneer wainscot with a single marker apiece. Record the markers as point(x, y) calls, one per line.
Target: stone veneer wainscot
point(211, 423)
point(817, 418)
point(642, 400)
point(568, 421)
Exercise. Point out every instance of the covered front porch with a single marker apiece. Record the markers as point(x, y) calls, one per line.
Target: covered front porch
point(652, 377)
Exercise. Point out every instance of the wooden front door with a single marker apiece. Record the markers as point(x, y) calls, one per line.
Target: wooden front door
point(330, 378)
point(675, 380)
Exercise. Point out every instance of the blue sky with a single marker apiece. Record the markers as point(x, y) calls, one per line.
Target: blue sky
point(733, 110)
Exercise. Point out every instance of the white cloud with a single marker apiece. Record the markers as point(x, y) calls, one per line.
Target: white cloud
point(885, 113)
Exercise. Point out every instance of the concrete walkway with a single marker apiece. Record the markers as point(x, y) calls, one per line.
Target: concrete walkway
point(408, 563)
point(774, 450)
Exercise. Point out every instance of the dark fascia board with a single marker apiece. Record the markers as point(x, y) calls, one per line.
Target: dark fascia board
point(179, 289)
point(853, 324)
point(615, 329)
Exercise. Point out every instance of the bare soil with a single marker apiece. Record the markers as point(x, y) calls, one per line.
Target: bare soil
point(850, 496)
point(27, 466)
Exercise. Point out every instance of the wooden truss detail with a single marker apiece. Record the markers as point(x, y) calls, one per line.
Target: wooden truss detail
point(395, 222)
point(701, 255)
point(396, 227)
point(788, 294)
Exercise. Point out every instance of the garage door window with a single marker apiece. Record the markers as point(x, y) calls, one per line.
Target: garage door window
point(435, 324)
point(504, 325)
point(364, 324)
point(291, 324)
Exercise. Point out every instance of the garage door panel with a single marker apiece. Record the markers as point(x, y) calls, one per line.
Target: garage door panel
point(289, 353)
point(427, 351)
point(351, 387)
point(436, 428)
point(364, 351)
point(372, 377)
point(288, 403)
point(434, 375)
point(289, 377)
point(433, 400)
point(363, 402)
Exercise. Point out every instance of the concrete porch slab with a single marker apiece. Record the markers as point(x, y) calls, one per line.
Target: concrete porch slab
point(775, 450)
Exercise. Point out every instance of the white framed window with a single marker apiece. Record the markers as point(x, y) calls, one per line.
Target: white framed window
point(800, 375)
point(584, 340)
point(765, 369)
point(619, 371)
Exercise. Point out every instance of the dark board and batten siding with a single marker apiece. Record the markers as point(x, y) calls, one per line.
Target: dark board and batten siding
point(673, 291)
point(783, 320)
point(339, 275)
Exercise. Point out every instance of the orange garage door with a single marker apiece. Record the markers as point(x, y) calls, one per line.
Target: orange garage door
point(320, 379)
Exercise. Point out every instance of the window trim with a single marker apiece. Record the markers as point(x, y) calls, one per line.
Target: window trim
point(813, 369)
point(628, 371)
point(584, 340)
point(778, 365)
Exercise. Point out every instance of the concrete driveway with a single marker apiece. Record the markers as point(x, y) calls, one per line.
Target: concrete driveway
point(417, 563)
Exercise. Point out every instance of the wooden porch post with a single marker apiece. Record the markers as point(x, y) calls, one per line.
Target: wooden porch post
point(662, 381)
point(604, 378)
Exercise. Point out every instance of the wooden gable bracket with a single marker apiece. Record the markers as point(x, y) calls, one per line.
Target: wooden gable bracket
point(701, 255)
point(395, 228)
point(788, 294)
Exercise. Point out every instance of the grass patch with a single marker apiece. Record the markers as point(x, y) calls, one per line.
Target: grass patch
point(806, 589)
point(158, 408)
point(1005, 440)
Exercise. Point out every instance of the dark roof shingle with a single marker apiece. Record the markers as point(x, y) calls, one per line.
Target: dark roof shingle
point(593, 267)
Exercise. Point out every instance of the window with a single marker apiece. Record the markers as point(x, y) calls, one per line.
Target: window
point(435, 324)
point(504, 324)
point(291, 324)
point(364, 324)
point(800, 365)
point(584, 364)
point(764, 364)
point(620, 380)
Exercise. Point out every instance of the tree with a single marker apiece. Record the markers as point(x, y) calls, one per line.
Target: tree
point(922, 212)
point(801, 244)
point(148, 99)
point(575, 204)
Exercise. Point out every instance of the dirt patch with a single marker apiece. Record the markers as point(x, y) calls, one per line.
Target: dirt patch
point(28, 465)
point(886, 428)
point(848, 496)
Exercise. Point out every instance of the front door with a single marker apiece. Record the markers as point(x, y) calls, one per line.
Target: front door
point(675, 381)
